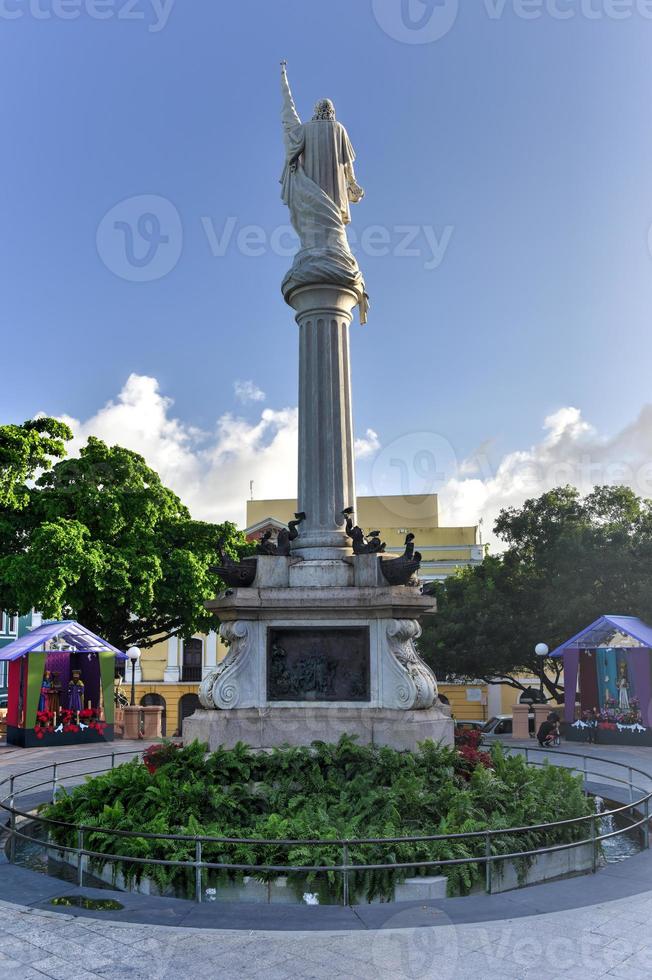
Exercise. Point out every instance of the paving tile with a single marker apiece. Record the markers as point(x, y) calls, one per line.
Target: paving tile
point(549, 930)
point(60, 969)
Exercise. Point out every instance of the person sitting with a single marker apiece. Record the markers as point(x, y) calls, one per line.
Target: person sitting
point(548, 733)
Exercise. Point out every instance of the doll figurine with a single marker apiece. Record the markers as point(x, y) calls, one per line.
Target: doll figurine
point(46, 687)
point(54, 694)
point(76, 692)
point(623, 691)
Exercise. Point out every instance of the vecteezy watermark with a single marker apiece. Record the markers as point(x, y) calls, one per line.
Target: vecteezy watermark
point(431, 949)
point(154, 13)
point(426, 21)
point(416, 21)
point(376, 241)
point(570, 9)
point(414, 465)
point(141, 238)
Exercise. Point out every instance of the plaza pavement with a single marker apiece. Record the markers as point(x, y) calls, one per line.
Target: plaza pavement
point(585, 927)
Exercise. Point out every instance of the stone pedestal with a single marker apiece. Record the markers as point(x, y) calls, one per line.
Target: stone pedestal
point(132, 721)
point(335, 623)
point(266, 728)
point(119, 723)
point(152, 721)
point(319, 660)
point(520, 723)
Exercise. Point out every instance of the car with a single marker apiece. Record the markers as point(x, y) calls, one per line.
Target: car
point(473, 725)
point(500, 726)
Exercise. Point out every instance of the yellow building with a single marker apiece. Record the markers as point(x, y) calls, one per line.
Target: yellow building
point(169, 672)
point(444, 549)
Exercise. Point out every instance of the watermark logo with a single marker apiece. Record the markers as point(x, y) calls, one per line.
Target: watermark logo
point(569, 9)
point(154, 13)
point(416, 21)
point(422, 242)
point(141, 238)
point(414, 465)
point(429, 949)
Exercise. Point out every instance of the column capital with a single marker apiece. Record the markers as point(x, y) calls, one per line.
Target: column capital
point(327, 299)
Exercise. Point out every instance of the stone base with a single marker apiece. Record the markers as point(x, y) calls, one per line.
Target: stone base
point(266, 728)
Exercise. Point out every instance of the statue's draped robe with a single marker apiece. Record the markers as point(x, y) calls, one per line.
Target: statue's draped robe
point(323, 148)
point(316, 190)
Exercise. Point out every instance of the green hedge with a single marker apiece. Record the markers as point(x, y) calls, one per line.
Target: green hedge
point(342, 791)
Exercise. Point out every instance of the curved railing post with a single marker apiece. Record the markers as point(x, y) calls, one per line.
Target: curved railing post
point(594, 844)
point(198, 868)
point(54, 781)
point(345, 875)
point(631, 785)
point(12, 822)
point(80, 857)
point(489, 865)
point(646, 824)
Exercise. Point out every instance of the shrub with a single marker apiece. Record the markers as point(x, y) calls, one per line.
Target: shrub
point(321, 793)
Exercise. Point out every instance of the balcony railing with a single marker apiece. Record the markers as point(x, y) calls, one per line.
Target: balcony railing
point(190, 675)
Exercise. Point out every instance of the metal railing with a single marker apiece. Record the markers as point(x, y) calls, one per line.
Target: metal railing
point(637, 810)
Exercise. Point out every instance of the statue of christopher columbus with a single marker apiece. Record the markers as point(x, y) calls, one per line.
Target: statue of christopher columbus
point(318, 186)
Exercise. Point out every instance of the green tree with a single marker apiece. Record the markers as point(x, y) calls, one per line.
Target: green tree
point(103, 541)
point(24, 449)
point(568, 560)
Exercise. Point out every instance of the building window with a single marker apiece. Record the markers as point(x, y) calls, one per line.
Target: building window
point(13, 624)
point(191, 668)
point(3, 675)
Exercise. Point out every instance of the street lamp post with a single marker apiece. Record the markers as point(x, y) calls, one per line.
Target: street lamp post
point(134, 655)
point(541, 650)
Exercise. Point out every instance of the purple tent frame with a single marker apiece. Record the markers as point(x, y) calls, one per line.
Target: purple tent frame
point(77, 637)
point(600, 634)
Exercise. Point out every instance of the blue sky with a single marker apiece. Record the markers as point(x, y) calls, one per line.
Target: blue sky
point(521, 148)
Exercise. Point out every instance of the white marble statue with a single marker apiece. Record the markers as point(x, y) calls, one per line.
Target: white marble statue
point(318, 185)
point(623, 695)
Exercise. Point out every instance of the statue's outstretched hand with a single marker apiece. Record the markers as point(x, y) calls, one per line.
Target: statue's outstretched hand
point(356, 193)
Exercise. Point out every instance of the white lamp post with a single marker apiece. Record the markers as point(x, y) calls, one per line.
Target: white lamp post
point(134, 655)
point(541, 650)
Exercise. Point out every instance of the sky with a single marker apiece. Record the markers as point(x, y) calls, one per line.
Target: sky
point(506, 153)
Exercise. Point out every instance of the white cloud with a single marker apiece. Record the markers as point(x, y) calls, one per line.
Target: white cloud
point(211, 471)
point(368, 446)
point(571, 451)
point(247, 391)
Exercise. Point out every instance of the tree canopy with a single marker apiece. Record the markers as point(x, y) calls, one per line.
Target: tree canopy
point(24, 449)
point(568, 560)
point(100, 539)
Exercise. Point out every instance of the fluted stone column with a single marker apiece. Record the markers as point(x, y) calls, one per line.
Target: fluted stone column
point(326, 457)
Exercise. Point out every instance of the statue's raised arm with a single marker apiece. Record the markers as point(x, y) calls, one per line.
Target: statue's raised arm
point(318, 186)
point(290, 116)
